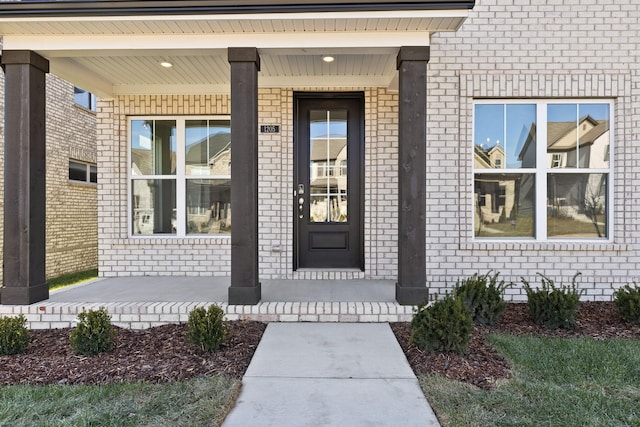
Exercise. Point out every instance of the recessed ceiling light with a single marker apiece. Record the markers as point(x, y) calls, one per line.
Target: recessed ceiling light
point(166, 64)
point(328, 58)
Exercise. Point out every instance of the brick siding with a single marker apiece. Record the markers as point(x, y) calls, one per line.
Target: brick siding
point(532, 49)
point(121, 255)
point(71, 209)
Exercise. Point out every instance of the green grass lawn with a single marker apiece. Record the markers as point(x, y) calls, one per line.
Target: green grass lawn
point(72, 279)
point(199, 402)
point(556, 382)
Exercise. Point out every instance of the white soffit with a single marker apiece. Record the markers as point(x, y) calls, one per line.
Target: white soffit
point(121, 55)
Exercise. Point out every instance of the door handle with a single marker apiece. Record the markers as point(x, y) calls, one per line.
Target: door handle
point(301, 201)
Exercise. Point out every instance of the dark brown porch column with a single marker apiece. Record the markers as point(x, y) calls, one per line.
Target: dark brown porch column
point(411, 288)
point(245, 286)
point(24, 178)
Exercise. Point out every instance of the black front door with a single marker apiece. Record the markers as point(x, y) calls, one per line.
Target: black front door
point(328, 183)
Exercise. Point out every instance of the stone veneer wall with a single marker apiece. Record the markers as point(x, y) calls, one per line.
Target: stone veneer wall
point(121, 255)
point(71, 210)
point(532, 49)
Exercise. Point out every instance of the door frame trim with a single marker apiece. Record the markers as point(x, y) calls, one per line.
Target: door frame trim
point(357, 95)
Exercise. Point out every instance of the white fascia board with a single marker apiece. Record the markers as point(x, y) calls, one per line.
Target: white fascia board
point(398, 14)
point(92, 45)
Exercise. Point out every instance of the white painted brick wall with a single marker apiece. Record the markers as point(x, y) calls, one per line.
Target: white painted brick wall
point(532, 49)
point(120, 255)
point(506, 49)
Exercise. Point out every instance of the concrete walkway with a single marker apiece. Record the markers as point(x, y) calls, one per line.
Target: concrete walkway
point(327, 374)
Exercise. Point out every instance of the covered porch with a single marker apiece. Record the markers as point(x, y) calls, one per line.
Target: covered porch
point(123, 50)
point(143, 302)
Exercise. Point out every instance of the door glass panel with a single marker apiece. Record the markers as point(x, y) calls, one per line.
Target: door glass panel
point(328, 168)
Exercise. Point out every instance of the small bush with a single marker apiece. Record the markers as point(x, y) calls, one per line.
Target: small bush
point(483, 296)
point(551, 306)
point(445, 325)
point(627, 300)
point(94, 333)
point(14, 335)
point(206, 328)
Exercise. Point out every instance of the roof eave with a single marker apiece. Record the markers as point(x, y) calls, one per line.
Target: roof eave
point(196, 7)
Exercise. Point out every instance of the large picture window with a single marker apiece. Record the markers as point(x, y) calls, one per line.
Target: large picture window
point(180, 176)
point(542, 170)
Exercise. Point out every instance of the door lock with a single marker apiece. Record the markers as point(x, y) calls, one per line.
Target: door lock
point(301, 201)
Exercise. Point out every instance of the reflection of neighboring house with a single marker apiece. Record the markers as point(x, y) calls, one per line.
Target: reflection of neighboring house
point(592, 145)
point(328, 178)
point(495, 198)
point(207, 204)
point(583, 146)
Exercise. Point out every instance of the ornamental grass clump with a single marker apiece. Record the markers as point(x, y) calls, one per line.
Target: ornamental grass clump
point(94, 333)
point(483, 296)
point(627, 300)
point(446, 325)
point(14, 335)
point(553, 306)
point(206, 328)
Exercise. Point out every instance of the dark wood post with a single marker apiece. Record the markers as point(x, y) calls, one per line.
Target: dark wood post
point(411, 288)
point(245, 285)
point(24, 178)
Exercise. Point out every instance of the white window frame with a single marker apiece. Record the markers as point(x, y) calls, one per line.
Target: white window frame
point(180, 178)
point(541, 171)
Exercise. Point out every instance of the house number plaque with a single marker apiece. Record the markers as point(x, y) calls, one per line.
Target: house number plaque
point(269, 128)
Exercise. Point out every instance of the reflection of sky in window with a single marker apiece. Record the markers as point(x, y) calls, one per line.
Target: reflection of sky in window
point(141, 133)
point(337, 124)
point(490, 128)
point(196, 134)
point(573, 112)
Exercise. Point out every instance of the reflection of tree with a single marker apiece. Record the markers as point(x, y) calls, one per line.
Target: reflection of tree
point(593, 204)
point(480, 220)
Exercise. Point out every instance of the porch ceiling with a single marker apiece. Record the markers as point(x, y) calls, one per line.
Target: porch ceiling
point(111, 55)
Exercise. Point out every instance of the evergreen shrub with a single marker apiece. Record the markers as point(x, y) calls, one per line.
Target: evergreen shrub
point(14, 335)
point(483, 296)
point(627, 300)
point(94, 333)
point(206, 328)
point(553, 306)
point(445, 325)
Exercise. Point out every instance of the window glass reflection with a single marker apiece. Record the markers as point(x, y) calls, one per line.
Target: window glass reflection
point(578, 136)
point(504, 205)
point(208, 147)
point(504, 136)
point(208, 206)
point(577, 205)
point(154, 206)
point(153, 147)
point(328, 170)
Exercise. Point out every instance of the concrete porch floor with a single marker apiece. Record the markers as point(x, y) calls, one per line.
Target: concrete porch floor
point(143, 302)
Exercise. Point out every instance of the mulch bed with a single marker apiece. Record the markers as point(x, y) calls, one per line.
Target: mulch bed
point(156, 355)
point(482, 366)
point(163, 354)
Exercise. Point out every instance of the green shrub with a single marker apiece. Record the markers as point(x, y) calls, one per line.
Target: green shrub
point(205, 328)
point(94, 333)
point(483, 296)
point(627, 300)
point(445, 325)
point(553, 306)
point(14, 335)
